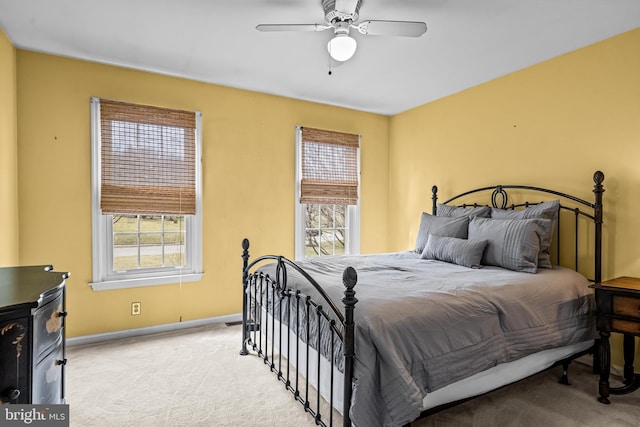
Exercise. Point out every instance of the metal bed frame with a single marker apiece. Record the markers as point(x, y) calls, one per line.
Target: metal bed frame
point(261, 336)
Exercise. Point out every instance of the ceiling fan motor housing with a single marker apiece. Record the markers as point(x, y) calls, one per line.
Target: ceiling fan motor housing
point(331, 15)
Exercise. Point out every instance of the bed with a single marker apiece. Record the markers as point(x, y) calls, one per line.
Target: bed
point(494, 291)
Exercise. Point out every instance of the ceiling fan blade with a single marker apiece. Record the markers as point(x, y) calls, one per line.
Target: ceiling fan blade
point(347, 7)
point(392, 28)
point(292, 27)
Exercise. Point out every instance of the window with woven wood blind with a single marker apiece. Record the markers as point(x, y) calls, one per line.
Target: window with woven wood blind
point(327, 207)
point(148, 159)
point(146, 187)
point(329, 167)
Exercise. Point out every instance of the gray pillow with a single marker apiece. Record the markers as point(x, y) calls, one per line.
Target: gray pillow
point(512, 243)
point(546, 210)
point(440, 226)
point(463, 252)
point(458, 211)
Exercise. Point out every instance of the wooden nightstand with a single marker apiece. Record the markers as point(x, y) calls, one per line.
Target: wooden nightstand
point(618, 310)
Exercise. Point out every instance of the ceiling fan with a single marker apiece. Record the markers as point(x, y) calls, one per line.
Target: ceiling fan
point(341, 15)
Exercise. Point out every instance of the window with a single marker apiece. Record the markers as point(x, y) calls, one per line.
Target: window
point(327, 187)
point(148, 241)
point(146, 195)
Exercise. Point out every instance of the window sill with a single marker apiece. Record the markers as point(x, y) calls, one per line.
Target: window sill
point(145, 281)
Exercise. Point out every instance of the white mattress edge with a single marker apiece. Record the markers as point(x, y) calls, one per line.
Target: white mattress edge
point(501, 375)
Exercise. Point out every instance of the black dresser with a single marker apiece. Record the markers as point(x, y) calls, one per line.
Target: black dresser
point(32, 337)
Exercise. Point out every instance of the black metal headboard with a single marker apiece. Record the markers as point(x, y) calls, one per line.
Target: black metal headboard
point(580, 208)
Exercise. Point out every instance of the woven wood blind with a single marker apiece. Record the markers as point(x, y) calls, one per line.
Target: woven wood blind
point(329, 167)
point(148, 159)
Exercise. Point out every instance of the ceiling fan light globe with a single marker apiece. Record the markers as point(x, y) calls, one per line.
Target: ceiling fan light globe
point(342, 47)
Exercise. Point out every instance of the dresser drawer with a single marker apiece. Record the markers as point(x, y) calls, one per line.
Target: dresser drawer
point(48, 323)
point(625, 326)
point(626, 306)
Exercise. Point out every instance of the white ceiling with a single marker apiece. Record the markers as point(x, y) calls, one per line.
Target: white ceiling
point(468, 42)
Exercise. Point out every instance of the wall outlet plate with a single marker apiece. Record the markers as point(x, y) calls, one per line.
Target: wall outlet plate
point(136, 308)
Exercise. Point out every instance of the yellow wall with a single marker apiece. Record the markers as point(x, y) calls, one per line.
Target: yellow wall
point(8, 155)
point(248, 182)
point(552, 124)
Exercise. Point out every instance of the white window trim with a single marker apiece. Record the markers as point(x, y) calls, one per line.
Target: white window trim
point(353, 211)
point(101, 227)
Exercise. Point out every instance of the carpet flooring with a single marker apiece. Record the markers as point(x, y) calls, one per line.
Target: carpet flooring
point(196, 377)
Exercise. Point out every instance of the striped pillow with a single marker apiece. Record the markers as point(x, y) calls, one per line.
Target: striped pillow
point(512, 243)
point(463, 252)
point(458, 211)
point(546, 210)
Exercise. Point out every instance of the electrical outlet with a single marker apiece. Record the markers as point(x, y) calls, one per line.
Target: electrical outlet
point(136, 308)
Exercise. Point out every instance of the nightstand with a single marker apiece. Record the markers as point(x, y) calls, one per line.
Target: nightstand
point(618, 310)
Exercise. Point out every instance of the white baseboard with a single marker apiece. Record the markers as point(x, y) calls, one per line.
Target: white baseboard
point(156, 329)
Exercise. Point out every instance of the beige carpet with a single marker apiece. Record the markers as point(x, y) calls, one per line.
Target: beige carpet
point(197, 378)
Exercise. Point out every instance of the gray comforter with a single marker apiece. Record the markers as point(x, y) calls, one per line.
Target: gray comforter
point(422, 324)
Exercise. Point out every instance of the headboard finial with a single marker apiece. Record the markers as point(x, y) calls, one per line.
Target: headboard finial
point(598, 177)
point(434, 199)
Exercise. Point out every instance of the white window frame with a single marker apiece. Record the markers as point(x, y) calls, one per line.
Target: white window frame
point(104, 277)
point(352, 246)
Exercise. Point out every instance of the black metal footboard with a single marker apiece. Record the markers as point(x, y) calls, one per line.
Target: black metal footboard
point(287, 327)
